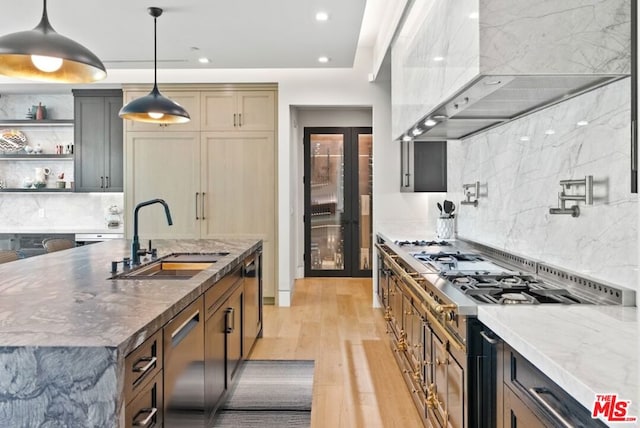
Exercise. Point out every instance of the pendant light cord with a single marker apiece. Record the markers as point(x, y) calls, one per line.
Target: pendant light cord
point(155, 52)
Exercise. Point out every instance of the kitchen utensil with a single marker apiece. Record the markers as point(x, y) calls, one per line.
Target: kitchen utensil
point(448, 207)
point(440, 208)
point(453, 208)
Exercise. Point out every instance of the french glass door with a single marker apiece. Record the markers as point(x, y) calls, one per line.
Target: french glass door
point(338, 205)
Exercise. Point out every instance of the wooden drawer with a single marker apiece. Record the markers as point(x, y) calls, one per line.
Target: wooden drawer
point(550, 403)
point(141, 365)
point(145, 410)
point(212, 298)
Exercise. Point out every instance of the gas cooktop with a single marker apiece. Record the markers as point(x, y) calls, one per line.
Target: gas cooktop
point(446, 263)
point(487, 282)
point(422, 243)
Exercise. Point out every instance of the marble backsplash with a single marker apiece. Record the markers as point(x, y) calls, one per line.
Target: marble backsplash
point(520, 165)
point(68, 212)
point(15, 106)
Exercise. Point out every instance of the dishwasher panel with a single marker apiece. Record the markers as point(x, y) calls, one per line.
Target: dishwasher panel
point(184, 368)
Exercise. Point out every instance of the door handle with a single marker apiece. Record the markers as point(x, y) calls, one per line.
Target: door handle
point(234, 119)
point(239, 119)
point(108, 184)
point(102, 182)
point(202, 205)
point(406, 177)
point(230, 325)
point(197, 218)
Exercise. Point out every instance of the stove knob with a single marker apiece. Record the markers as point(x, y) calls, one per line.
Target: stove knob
point(451, 315)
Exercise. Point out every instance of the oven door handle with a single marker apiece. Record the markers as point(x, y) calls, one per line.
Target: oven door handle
point(537, 392)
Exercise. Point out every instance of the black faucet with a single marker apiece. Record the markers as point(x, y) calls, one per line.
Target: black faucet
point(135, 245)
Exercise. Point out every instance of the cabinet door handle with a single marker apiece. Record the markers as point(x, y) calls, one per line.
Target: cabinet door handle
point(151, 412)
point(102, 182)
point(234, 119)
point(202, 206)
point(108, 184)
point(230, 325)
point(239, 119)
point(406, 180)
point(536, 392)
point(197, 218)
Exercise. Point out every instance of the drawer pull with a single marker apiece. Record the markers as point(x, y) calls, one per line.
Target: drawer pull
point(144, 422)
point(151, 361)
point(537, 395)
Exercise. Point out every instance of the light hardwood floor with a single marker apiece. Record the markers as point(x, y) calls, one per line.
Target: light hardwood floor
point(357, 382)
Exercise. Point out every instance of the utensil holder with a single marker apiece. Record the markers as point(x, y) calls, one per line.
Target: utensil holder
point(445, 227)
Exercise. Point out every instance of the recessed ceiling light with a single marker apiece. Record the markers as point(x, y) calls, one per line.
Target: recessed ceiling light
point(524, 138)
point(550, 131)
point(406, 138)
point(438, 58)
point(474, 15)
point(203, 60)
point(430, 122)
point(322, 16)
point(417, 131)
point(323, 59)
point(582, 123)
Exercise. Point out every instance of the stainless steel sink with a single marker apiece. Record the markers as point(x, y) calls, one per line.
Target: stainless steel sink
point(173, 266)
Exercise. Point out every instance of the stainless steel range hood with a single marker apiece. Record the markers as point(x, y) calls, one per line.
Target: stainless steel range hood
point(489, 101)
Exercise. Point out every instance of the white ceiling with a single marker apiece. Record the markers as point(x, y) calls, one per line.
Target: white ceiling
point(232, 33)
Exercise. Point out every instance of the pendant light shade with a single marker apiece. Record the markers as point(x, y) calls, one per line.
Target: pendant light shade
point(44, 55)
point(155, 107)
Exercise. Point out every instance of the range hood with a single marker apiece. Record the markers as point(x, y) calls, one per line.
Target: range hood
point(470, 65)
point(490, 101)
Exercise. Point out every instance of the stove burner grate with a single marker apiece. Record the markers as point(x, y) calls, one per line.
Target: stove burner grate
point(423, 243)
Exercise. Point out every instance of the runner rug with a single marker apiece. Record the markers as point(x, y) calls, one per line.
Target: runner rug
point(270, 393)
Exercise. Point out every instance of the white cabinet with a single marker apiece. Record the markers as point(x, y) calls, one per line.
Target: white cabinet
point(238, 111)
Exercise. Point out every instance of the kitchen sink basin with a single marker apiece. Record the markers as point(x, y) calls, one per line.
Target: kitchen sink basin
point(173, 266)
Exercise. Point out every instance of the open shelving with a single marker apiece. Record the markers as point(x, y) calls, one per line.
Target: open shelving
point(31, 122)
point(25, 156)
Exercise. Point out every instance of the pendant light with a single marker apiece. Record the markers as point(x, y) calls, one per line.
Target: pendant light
point(155, 107)
point(43, 54)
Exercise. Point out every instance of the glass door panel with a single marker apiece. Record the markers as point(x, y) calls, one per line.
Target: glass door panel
point(327, 201)
point(338, 205)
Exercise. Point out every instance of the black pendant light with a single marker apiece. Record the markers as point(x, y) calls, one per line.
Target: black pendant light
point(44, 55)
point(155, 107)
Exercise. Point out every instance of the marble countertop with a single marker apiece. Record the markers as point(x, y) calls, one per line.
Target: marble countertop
point(586, 350)
point(66, 299)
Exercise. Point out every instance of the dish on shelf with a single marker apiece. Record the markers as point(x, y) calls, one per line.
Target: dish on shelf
point(12, 140)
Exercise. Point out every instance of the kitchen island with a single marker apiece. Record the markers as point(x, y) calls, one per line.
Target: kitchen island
point(65, 327)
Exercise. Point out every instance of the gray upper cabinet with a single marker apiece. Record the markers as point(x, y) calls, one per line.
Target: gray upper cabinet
point(98, 141)
point(423, 166)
